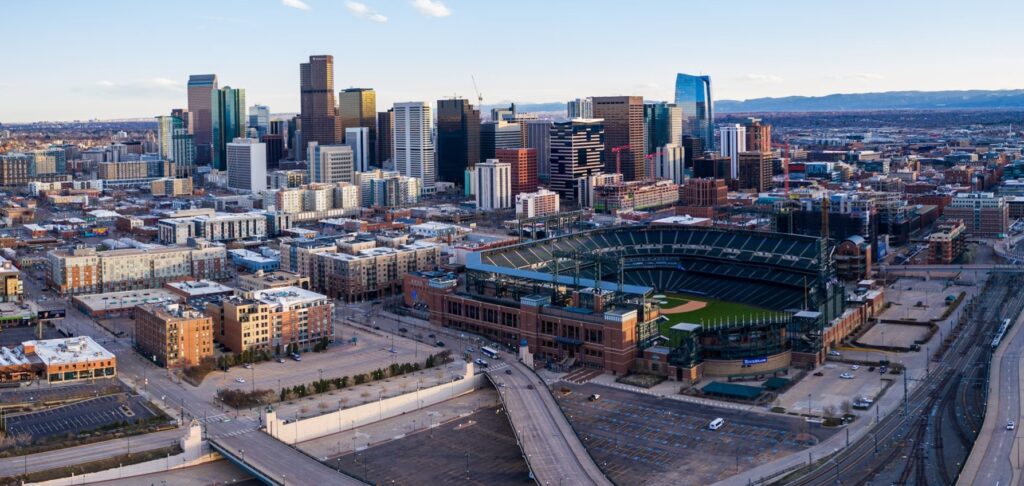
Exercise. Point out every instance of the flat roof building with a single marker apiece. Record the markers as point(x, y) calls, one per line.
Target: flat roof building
point(173, 335)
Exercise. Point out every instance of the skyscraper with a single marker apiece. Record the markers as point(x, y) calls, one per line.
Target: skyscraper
point(165, 135)
point(458, 138)
point(523, 163)
point(577, 152)
point(496, 135)
point(414, 148)
point(580, 108)
point(663, 125)
point(759, 135)
point(538, 137)
point(385, 136)
point(359, 139)
point(183, 152)
point(623, 127)
point(330, 163)
point(227, 106)
point(493, 185)
point(200, 96)
point(693, 96)
point(734, 141)
point(755, 170)
point(275, 149)
point(186, 118)
point(668, 163)
point(259, 118)
point(357, 107)
point(246, 160)
point(320, 122)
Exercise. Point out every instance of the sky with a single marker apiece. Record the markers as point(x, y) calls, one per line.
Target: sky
point(77, 60)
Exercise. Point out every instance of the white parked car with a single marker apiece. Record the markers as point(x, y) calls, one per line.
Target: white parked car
point(1011, 425)
point(846, 376)
point(834, 353)
point(855, 367)
point(239, 380)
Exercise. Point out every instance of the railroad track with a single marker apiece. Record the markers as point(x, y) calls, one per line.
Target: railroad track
point(859, 462)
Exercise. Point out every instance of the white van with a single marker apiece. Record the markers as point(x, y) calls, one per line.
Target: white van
point(716, 423)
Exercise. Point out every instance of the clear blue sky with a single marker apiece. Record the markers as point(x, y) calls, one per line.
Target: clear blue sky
point(77, 59)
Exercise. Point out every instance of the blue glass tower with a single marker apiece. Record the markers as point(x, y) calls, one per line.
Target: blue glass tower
point(227, 107)
point(693, 96)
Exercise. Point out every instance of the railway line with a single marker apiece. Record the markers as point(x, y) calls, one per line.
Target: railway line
point(929, 409)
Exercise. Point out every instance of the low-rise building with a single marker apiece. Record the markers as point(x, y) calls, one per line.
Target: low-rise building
point(983, 213)
point(218, 227)
point(272, 280)
point(635, 195)
point(192, 290)
point(57, 361)
point(948, 242)
point(111, 304)
point(272, 319)
point(11, 287)
point(171, 187)
point(534, 204)
point(173, 335)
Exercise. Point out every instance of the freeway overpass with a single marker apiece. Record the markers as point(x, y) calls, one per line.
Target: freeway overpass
point(551, 447)
point(271, 461)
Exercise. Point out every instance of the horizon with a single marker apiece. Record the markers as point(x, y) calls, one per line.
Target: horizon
point(101, 76)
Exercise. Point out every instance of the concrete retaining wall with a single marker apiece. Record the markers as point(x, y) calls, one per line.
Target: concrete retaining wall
point(193, 455)
point(349, 418)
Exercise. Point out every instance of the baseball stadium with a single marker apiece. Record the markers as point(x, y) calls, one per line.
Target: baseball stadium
point(681, 301)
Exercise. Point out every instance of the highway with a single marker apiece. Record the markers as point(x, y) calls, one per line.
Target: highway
point(992, 459)
point(553, 451)
point(12, 466)
point(274, 462)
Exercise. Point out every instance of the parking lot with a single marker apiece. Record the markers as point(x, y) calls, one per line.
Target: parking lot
point(665, 441)
point(477, 449)
point(898, 335)
point(44, 392)
point(918, 300)
point(79, 417)
point(15, 335)
point(831, 390)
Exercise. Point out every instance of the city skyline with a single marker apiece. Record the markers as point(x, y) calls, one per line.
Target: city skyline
point(103, 76)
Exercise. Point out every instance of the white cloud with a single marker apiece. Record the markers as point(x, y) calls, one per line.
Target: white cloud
point(138, 88)
point(296, 4)
point(362, 11)
point(763, 78)
point(857, 76)
point(431, 8)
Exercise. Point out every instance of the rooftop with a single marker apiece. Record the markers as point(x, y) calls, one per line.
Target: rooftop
point(198, 288)
point(122, 300)
point(287, 296)
point(71, 350)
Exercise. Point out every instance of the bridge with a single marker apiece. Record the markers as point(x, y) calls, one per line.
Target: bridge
point(552, 450)
point(271, 461)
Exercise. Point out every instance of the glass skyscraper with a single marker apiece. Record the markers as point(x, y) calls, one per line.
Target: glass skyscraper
point(228, 110)
point(693, 96)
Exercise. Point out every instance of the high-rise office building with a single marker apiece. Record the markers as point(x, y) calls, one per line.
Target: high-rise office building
point(183, 152)
point(165, 135)
point(755, 170)
point(523, 164)
point(280, 127)
point(414, 147)
point(668, 163)
point(580, 108)
point(458, 138)
point(186, 118)
point(538, 137)
point(733, 141)
point(228, 109)
point(385, 136)
point(493, 185)
point(320, 122)
point(275, 150)
point(693, 147)
point(359, 139)
point(357, 107)
point(200, 104)
point(693, 96)
point(663, 125)
point(259, 118)
point(246, 164)
point(496, 135)
point(759, 135)
point(577, 152)
point(623, 130)
point(330, 163)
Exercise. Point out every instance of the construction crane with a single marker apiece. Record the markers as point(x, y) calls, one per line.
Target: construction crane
point(618, 157)
point(479, 96)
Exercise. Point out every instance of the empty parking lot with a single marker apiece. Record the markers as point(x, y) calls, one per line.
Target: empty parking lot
point(641, 439)
point(79, 417)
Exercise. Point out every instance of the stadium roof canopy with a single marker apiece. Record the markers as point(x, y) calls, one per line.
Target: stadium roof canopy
point(732, 390)
point(473, 262)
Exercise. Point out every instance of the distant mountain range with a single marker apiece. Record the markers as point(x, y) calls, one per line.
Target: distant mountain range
point(891, 100)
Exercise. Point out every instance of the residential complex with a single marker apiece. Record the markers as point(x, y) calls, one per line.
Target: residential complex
point(272, 319)
point(173, 335)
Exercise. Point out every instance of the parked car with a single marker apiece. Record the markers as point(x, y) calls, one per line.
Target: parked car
point(239, 380)
point(296, 357)
point(280, 359)
point(595, 397)
point(855, 367)
point(508, 372)
point(833, 352)
point(530, 386)
point(1011, 425)
point(402, 329)
point(247, 366)
point(439, 344)
point(716, 423)
point(481, 362)
point(846, 376)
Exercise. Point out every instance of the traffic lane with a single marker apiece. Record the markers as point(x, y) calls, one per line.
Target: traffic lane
point(11, 466)
point(281, 462)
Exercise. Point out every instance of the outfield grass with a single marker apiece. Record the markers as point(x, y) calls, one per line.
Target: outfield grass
point(715, 310)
